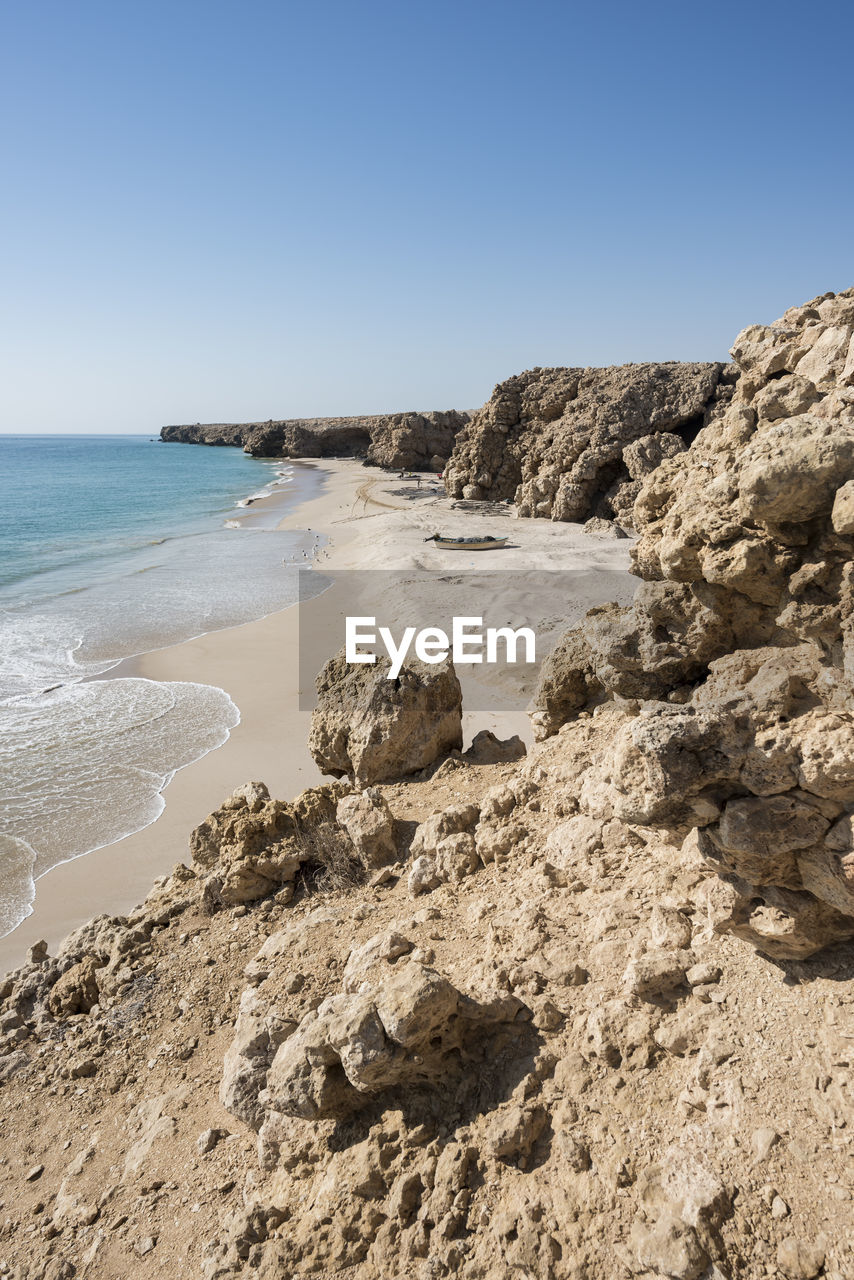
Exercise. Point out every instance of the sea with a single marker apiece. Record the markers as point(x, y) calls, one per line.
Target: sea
point(111, 546)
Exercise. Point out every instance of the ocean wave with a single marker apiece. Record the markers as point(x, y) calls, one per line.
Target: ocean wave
point(87, 764)
point(17, 859)
point(85, 761)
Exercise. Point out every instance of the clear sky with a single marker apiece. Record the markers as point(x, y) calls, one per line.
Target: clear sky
point(222, 211)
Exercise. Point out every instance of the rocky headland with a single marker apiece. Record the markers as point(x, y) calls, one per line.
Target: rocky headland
point(392, 440)
point(586, 1012)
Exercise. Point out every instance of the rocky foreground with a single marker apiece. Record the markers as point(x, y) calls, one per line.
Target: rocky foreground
point(584, 1013)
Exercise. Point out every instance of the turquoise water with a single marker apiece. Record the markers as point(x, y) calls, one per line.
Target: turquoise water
point(68, 500)
point(111, 546)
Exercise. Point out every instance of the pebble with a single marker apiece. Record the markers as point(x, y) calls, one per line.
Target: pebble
point(35, 1173)
point(208, 1139)
point(762, 1141)
point(800, 1259)
point(779, 1208)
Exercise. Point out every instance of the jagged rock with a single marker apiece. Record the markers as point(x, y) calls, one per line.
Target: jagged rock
point(11, 1063)
point(257, 1034)
point(514, 1131)
point(739, 646)
point(690, 1204)
point(669, 1247)
point(566, 683)
point(486, 748)
point(656, 973)
point(405, 1027)
point(77, 990)
point(368, 822)
point(253, 845)
point(618, 1031)
point(208, 1139)
point(443, 848)
point(372, 959)
point(800, 1259)
point(574, 444)
point(596, 527)
point(375, 729)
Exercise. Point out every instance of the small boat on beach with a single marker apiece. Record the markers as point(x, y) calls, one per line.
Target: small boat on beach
point(466, 544)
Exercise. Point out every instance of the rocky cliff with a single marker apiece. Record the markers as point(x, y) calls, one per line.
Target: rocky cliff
point(732, 671)
point(421, 440)
point(571, 444)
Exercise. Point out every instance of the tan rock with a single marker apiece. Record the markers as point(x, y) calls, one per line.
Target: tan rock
point(842, 514)
point(77, 990)
point(368, 822)
point(376, 729)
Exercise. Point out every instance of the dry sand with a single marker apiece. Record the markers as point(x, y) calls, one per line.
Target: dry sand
point(370, 521)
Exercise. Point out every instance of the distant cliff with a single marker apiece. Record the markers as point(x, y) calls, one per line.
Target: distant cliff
point(386, 440)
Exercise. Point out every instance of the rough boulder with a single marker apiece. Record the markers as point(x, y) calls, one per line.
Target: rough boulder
point(398, 1024)
point(253, 845)
point(375, 729)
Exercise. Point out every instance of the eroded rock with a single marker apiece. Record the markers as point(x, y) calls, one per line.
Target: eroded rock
point(374, 729)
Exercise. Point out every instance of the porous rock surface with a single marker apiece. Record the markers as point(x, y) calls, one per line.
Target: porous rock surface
point(422, 440)
point(575, 444)
point(553, 1065)
point(253, 845)
point(733, 667)
point(376, 729)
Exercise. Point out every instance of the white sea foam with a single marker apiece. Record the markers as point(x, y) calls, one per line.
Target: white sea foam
point(17, 859)
point(84, 762)
point(90, 762)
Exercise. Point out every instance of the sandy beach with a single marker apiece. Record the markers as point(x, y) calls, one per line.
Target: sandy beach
point(364, 518)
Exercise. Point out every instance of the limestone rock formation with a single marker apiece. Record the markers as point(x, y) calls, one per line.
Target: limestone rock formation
point(393, 440)
point(368, 822)
point(574, 444)
point(77, 989)
point(554, 1065)
point(739, 647)
point(560, 1059)
point(443, 847)
point(253, 846)
point(376, 729)
point(402, 1025)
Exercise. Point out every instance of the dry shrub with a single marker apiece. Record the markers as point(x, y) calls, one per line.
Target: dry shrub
point(331, 861)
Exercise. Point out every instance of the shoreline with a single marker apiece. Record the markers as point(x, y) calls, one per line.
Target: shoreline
point(367, 521)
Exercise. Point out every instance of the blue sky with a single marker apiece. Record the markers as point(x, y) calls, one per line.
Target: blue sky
point(223, 211)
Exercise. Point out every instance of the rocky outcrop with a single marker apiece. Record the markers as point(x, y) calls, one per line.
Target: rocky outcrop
point(739, 647)
point(573, 444)
point(368, 821)
point(398, 1025)
point(374, 729)
point(253, 846)
point(552, 1064)
point(392, 440)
